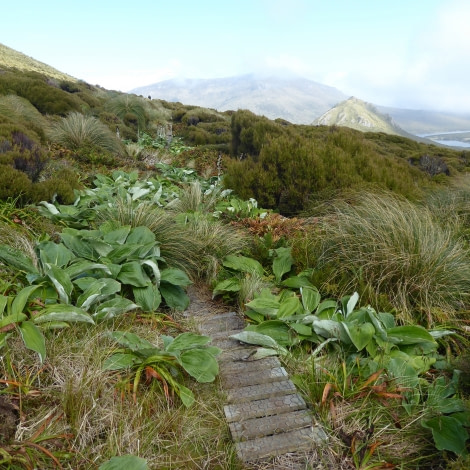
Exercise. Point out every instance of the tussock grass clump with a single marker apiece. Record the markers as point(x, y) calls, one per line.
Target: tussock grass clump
point(215, 241)
point(77, 132)
point(399, 249)
point(451, 205)
point(194, 199)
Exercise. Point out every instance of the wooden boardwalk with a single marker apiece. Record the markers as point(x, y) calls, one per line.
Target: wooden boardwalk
point(266, 415)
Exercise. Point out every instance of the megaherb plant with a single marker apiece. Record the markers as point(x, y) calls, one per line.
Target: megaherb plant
point(91, 276)
point(188, 351)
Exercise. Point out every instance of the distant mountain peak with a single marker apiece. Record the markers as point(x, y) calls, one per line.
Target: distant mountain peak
point(292, 98)
point(361, 116)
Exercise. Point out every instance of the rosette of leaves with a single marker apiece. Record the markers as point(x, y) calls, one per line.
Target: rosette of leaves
point(187, 352)
point(130, 256)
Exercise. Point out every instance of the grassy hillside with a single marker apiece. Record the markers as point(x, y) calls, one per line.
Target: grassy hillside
point(10, 58)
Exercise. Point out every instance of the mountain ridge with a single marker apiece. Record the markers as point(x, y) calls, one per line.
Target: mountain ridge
point(295, 99)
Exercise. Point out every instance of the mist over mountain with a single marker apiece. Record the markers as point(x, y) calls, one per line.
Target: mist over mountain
point(294, 99)
point(297, 100)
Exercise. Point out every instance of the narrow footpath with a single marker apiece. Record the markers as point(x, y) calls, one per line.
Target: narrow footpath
point(266, 415)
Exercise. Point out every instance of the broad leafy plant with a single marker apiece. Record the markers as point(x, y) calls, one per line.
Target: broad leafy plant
point(188, 351)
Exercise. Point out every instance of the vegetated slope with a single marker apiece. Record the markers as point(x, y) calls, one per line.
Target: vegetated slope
point(14, 59)
point(286, 167)
point(296, 100)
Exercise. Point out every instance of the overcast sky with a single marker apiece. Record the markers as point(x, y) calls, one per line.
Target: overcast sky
point(405, 53)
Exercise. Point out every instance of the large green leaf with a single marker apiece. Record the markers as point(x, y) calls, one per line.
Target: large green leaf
point(330, 329)
point(266, 306)
point(117, 236)
point(21, 299)
point(122, 253)
point(310, 298)
point(253, 337)
point(81, 266)
point(400, 366)
point(112, 308)
point(132, 274)
point(200, 364)
point(55, 253)
point(175, 276)
point(130, 340)
point(282, 262)
point(147, 298)
point(448, 433)
point(288, 307)
point(326, 309)
point(295, 282)
point(125, 462)
point(61, 281)
point(175, 297)
point(360, 334)
point(155, 269)
point(303, 330)
point(120, 361)
point(187, 340)
point(17, 259)
point(227, 285)
point(141, 236)
point(410, 334)
point(14, 318)
point(63, 312)
point(348, 303)
point(72, 240)
point(100, 247)
point(186, 395)
point(276, 329)
point(99, 290)
point(33, 338)
point(243, 264)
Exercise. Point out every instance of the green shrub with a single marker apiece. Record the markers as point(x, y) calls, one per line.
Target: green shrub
point(59, 188)
point(284, 167)
point(43, 95)
point(381, 244)
point(14, 184)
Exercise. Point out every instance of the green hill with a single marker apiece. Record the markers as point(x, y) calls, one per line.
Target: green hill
point(359, 115)
point(13, 59)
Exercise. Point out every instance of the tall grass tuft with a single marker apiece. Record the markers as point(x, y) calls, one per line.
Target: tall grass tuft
point(129, 108)
point(398, 249)
point(452, 204)
point(194, 199)
point(77, 131)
